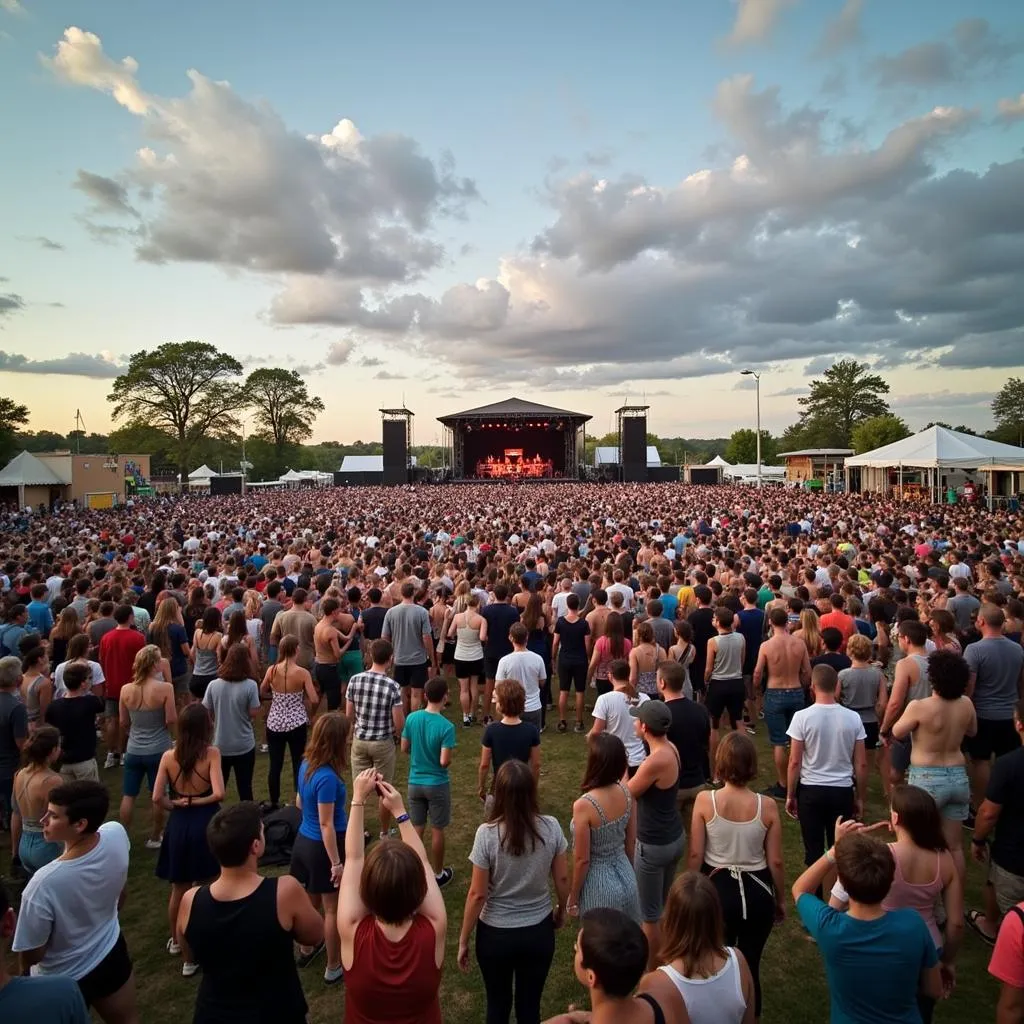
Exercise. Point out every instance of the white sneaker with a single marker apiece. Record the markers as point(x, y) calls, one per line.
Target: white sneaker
point(111, 761)
point(264, 749)
point(172, 947)
point(188, 968)
point(154, 844)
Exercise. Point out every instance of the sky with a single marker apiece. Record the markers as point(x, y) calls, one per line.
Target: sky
point(580, 204)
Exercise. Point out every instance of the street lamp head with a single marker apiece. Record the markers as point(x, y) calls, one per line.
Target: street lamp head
point(746, 373)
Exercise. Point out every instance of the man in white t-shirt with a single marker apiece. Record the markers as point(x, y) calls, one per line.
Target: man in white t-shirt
point(623, 588)
point(68, 923)
point(558, 606)
point(827, 759)
point(611, 714)
point(528, 668)
point(97, 678)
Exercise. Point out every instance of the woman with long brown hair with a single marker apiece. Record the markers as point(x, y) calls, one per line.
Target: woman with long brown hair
point(31, 788)
point(67, 627)
point(318, 855)
point(36, 685)
point(237, 632)
point(538, 639)
point(509, 899)
point(610, 646)
point(168, 633)
point(233, 698)
point(644, 659)
point(205, 652)
point(190, 785)
point(469, 629)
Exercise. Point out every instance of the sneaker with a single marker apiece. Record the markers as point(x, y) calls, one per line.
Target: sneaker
point(154, 844)
point(467, 721)
point(487, 720)
point(264, 748)
point(443, 879)
point(332, 975)
point(578, 727)
point(563, 725)
point(172, 947)
point(111, 761)
point(749, 726)
point(305, 959)
point(760, 715)
point(188, 969)
point(775, 791)
point(969, 820)
point(120, 760)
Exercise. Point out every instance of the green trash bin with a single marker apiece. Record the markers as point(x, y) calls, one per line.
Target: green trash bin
point(950, 495)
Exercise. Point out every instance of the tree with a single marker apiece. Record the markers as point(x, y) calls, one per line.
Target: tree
point(877, 432)
point(742, 448)
point(185, 388)
point(847, 394)
point(12, 416)
point(960, 428)
point(1008, 409)
point(284, 409)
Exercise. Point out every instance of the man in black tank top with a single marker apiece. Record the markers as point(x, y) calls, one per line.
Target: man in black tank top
point(241, 927)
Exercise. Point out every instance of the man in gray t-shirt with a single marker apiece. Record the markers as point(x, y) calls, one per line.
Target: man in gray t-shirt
point(962, 605)
point(407, 626)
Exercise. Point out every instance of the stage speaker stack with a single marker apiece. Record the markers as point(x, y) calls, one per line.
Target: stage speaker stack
point(634, 449)
point(396, 452)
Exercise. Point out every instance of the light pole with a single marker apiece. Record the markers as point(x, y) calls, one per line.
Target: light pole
point(757, 386)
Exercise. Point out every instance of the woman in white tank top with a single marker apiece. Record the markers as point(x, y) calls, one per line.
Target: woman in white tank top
point(712, 979)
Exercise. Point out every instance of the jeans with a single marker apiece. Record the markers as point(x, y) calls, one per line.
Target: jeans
point(655, 870)
point(244, 765)
point(818, 807)
point(515, 959)
point(295, 741)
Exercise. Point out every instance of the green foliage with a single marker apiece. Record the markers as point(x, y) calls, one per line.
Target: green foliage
point(877, 432)
point(184, 388)
point(283, 408)
point(12, 416)
point(1008, 410)
point(815, 432)
point(742, 448)
point(959, 428)
point(838, 401)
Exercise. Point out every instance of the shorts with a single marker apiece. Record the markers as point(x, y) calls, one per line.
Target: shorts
point(448, 653)
point(111, 707)
point(491, 667)
point(466, 669)
point(994, 736)
point(311, 867)
point(871, 735)
point(748, 685)
point(271, 655)
point(434, 802)
point(655, 870)
point(899, 754)
point(80, 770)
point(1009, 888)
point(411, 675)
point(570, 676)
point(726, 695)
point(780, 705)
point(327, 682)
point(109, 976)
point(198, 684)
point(535, 718)
point(135, 767)
point(376, 754)
point(351, 664)
point(948, 785)
point(181, 683)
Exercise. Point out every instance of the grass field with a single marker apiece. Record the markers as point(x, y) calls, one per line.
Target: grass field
point(792, 973)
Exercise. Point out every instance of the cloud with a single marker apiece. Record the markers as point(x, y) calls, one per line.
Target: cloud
point(792, 392)
point(816, 367)
point(1011, 109)
point(940, 400)
point(745, 384)
point(232, 185)
point(339, 352)
point(370, 361)
point(388, 375)
point(107, 195)
point(43, 242)
point(842, 29)
point(75, 364)
point(756, 20)
point(10, 303)
point(971, 49)
point(307, 369)
point(11, 7)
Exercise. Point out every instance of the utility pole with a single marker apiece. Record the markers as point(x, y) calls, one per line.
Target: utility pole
point(757, 386)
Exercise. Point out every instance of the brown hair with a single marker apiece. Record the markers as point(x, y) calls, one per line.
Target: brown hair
point(236, 666)
point(865, 867)
point(511, 697)
point(393, 883)
point(195, 731)
point(515, 810)
point(615, 635)
point(606, 761)
point(645, 633)
point(381, 651)
point(692, 927)
point(327, 743)
point(288, 647)
point(736, 759)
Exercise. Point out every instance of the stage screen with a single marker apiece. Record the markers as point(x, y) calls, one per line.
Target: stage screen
point(539, 452)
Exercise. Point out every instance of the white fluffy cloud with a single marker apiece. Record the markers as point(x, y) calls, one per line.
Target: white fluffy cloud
point(1011, 109)
point(842, 30)
point(75, 364)
point(756, 20)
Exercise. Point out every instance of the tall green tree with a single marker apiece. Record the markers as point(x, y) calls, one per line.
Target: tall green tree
point(1008, 409)
point(845, 395)
point(742, 448)
point(960, 428)
point(284, 409)
point(12, 416)
point(878, 431)
point(187, 388)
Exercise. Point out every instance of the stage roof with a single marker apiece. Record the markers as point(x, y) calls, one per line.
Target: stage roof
point(512, 407)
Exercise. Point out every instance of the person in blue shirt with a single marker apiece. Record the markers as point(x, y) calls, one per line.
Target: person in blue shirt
point(55, 999)
point(877, 961)
point(40, 618)
point(429, 739)
point(319, 852)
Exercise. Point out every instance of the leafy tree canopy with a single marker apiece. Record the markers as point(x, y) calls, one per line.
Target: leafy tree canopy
point(1008, 410)
point(877, 432)
point(846, 394)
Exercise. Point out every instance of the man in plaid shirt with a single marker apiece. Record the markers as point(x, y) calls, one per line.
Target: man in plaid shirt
point(374, 704)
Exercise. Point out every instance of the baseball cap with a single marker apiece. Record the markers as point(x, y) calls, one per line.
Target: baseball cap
point(654, 714)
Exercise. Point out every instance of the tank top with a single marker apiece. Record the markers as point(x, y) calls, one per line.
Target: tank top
point(249, 974)
point(715, 1000)
point(206, 660)
point(728, 657)
point(657, 814)
point(922, 688)
point(917, 896)
point(393, 982)
point(149, 733)
point(32, 699)
point(735, 844)
point(467, 642)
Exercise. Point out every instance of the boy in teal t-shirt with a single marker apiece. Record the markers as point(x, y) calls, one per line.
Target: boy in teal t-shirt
point(429, 739)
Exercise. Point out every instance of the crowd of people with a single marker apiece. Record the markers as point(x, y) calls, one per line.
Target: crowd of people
point(350, 630)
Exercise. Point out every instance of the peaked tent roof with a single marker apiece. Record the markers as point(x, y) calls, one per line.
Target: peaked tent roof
point(719, 461)
point(25, 470)
point(609, 456)
point(939, 447)
point(202, 473)
point(512, 407)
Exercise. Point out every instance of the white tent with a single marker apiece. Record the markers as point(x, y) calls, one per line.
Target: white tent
point(934, 449)
point(719, 461)
point(25, 470)
point(201, 477)
point(609, 456)
point(745, 472)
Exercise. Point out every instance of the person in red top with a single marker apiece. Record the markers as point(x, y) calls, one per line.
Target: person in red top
point(838, 619)
point(117, 655)
point(1007, 965)
point(391, 917)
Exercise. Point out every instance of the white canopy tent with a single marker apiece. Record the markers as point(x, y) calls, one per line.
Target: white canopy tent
point(609, 456)
point(746, 472)
point(932, 450)
point(201, 477)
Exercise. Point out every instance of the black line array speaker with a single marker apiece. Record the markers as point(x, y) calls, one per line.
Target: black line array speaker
point(396, 453)
point(225, 485)
point(634, 449)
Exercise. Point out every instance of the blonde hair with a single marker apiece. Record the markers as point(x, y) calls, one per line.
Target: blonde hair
point(146, 663)
point(858, 647)
point(811, 632)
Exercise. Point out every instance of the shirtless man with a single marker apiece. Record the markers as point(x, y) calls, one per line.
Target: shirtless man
point(784, 661)
point(910, 682)
point(938, 724)
point(327, 641)
point(597, 618)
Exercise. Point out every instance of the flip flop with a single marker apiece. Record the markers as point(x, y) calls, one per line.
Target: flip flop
point(971, 917)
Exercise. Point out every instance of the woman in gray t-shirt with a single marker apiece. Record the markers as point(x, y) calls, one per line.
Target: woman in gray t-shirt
point(234, 701)
point(862, 687)
point(509, 902)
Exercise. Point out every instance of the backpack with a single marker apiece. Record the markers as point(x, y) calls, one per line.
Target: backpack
point(280, 829)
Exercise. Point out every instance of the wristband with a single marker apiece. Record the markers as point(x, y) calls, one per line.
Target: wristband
point(830, 857)
point(401, 819)
point(356, 803)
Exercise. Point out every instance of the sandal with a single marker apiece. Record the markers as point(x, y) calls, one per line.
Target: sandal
point(562, 725)
point(971, 917)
